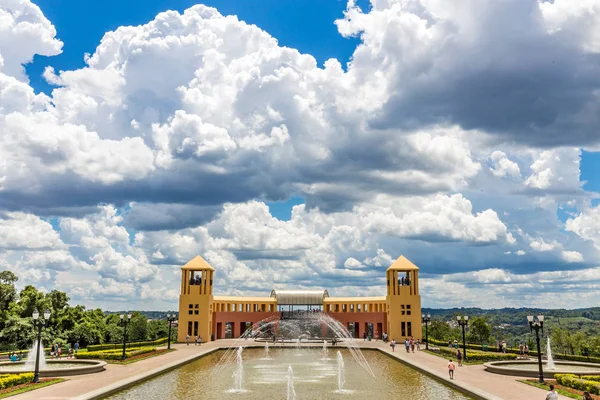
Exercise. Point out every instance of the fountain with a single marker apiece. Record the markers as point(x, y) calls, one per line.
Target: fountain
point(550, 363)
point(52, 368)
point(290, 330)
point(308, 378)
point(267, 349)
point(238, 374)
point(31, 355)
point(324, 349)
point(340, 372)
point(291, 392)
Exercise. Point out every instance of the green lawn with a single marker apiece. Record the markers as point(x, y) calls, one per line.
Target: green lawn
point(141, 357)
point(559, 390)
point(448, 356)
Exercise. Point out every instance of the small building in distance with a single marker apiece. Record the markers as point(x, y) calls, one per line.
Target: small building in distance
point(398, 313)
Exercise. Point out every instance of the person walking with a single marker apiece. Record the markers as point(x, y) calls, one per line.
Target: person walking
point(187, 340)
point(451, 368)
point(393, 344)
point(418, 344)
point(552, 394)
point(586, 396)
point(76, 347)
point(199, 340)
point(459, 358)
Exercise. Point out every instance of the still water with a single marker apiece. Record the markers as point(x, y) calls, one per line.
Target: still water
point(315, 377)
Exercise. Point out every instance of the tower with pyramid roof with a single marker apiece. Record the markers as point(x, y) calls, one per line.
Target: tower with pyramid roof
point(196, 300)
point(403, 300)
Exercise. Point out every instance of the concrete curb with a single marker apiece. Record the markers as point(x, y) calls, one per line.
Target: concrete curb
point(134, 380)
point(461, 387)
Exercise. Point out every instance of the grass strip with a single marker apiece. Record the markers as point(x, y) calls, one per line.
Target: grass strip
point(140, 357)
point(568, 392)
point(448, 357)
point(27, 387)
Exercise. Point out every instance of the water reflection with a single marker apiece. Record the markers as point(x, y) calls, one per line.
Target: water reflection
point(314, 378)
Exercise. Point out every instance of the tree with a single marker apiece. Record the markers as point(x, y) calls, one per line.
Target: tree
point(138, 327)
point(8, 294)
point(479, 330)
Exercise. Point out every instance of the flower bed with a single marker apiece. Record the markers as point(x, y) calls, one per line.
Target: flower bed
point(572, 381)
point(113, 354)
point(10, 380)
point(117, 346)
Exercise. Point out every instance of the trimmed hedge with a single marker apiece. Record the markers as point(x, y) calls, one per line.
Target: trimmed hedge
point(7, 381)
point(109, 346)
point(574, 382)
point(494, 349)
point(595, 378)
point(113, 354)
point(475, 355)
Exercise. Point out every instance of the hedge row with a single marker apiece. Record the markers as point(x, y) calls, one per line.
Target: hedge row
point(574, 382)
point(7, 381)
point(108, 346)
point(475, 355)
point(113, 354)
point(494, 349)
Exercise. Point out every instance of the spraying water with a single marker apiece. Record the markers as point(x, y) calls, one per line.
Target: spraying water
point(238, 375)
point(324, 348)
point(290, 331)
point(550, 364)
point(291, 392)
point(30, 362)
point(266, 349)
point(341, 375)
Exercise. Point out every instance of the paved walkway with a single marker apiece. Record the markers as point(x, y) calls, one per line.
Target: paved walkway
point(472, 377)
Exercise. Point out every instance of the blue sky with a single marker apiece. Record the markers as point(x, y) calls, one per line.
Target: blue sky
point(306, 25)
point(466, 141)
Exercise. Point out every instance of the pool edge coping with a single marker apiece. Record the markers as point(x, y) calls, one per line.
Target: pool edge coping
point(116, 387)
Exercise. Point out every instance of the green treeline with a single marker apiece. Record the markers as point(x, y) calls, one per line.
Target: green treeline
point(572, 332)
point(67, 324)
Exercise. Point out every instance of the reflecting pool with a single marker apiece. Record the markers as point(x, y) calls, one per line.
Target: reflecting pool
point(314, 374)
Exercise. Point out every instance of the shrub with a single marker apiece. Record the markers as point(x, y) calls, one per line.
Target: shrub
point(595, 378)
point(7, 381)
point(574, 382)
point(474, 355)
point(113, 354)
point(109, 346)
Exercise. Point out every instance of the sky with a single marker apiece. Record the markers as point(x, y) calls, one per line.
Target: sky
point(302, 145)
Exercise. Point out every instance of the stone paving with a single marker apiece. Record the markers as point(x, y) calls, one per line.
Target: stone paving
point(472, 377)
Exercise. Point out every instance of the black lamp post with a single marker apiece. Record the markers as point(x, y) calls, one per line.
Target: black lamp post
point(426, 320)
point(125, 322)
point(171, 318)
point(537, 326)
point(463, 322)
point(39, 324)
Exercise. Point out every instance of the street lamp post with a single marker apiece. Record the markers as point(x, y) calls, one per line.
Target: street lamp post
point(39, 324)
point(171, 318)
point(125, 322)
point(463, 322)
point(537, 326)
point(426, 320)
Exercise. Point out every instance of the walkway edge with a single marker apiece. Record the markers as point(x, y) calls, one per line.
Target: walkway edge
point(136, 379)
point(461, 387)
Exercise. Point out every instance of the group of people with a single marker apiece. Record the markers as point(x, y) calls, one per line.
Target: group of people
point(16, 357)
point(409, 344)
point(197, 340)
point(523, 349)
point(56, 351)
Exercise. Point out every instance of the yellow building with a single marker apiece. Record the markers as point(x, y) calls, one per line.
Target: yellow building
point(216, 317)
